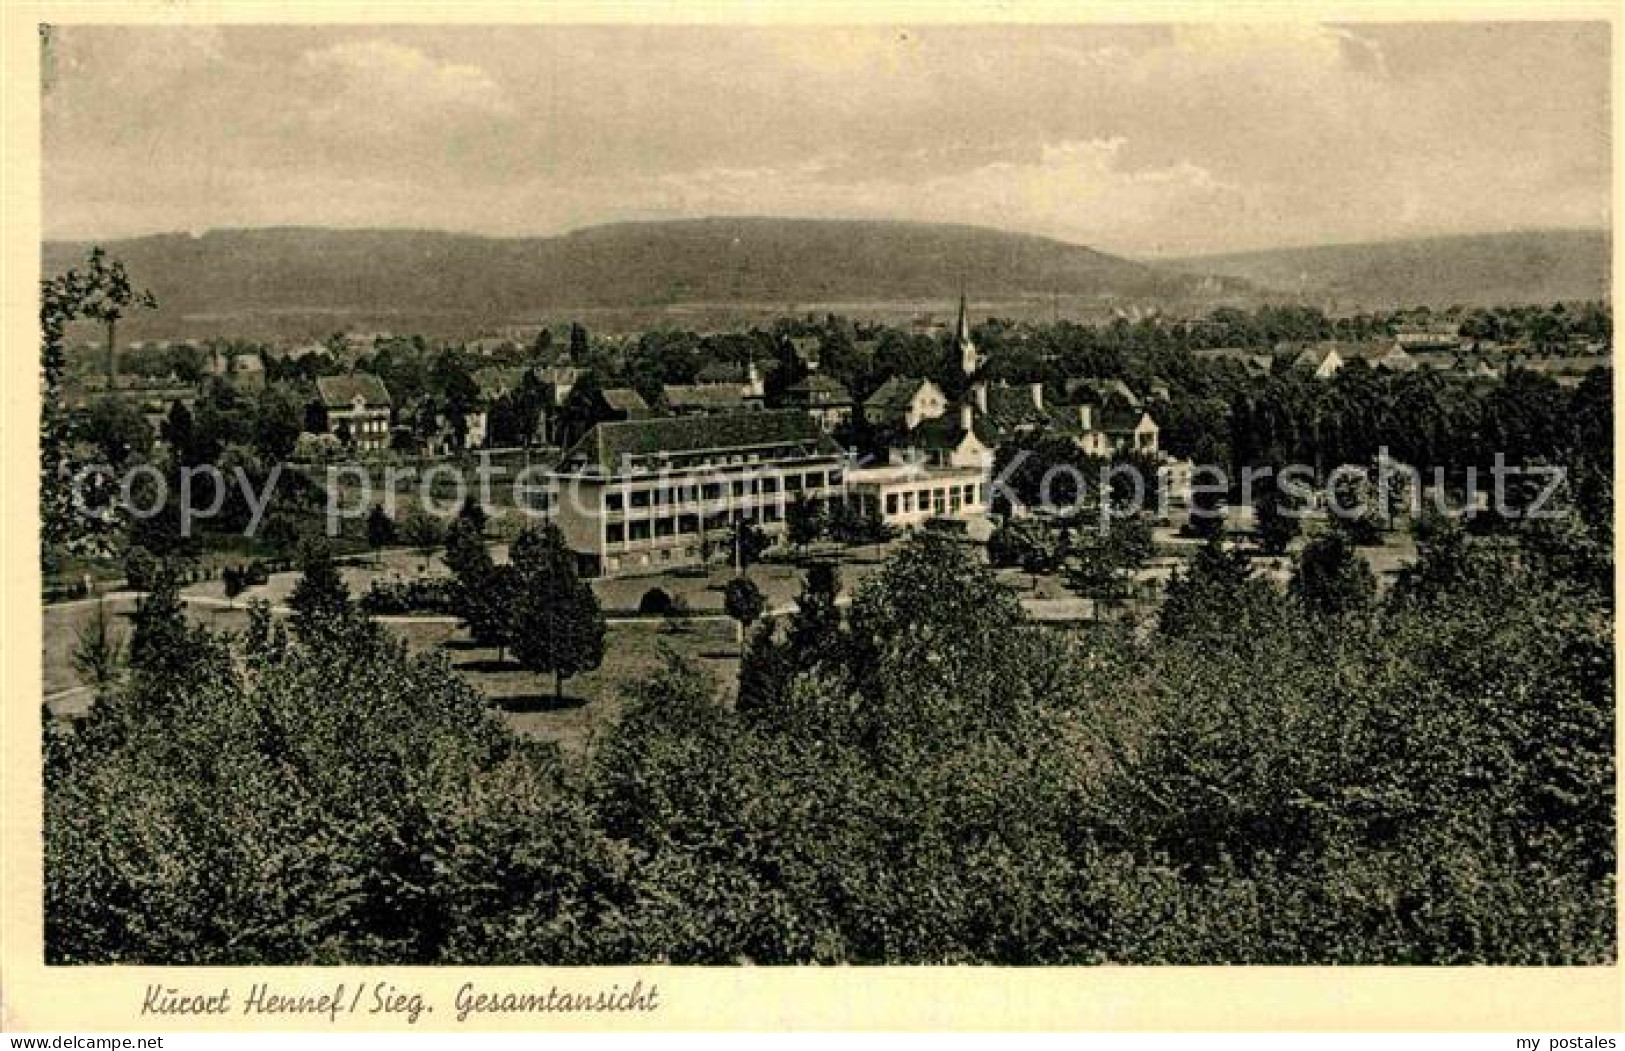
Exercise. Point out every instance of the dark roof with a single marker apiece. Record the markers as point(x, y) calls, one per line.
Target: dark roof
point(711, 397)
point(340, 392)
point(624, 399)
point(819, 391)
point(1118, 420)
point(948, 430)
point(1011, 408)
point(1248, 358)
point(688, 440)
point(894, 395)
point(721, 372)
point(1102, 392)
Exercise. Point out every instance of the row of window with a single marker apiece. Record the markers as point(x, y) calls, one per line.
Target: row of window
point(739, 488)
point(362, 426)
point(768, 455)
point(679, 525)
point(938, 500)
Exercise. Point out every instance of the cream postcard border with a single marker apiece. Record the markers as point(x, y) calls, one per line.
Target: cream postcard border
point(37, 998)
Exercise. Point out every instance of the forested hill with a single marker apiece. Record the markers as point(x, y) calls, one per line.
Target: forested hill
point(782, 262)
point(1474, 270)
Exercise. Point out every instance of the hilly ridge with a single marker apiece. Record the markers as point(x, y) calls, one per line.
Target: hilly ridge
point(782, 262)
point(305, 282)
point(1541, 266)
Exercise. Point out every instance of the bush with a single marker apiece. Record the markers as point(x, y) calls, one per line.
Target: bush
point(140, 569)
point(397, 597)
point(655, 603)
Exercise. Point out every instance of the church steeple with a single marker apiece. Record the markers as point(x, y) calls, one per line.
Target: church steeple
point(969, 360)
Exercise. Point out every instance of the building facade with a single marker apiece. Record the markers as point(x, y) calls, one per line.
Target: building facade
point(356, 408)
point(643, 495)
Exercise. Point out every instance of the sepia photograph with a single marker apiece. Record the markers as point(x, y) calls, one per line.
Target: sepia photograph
point(783, 495)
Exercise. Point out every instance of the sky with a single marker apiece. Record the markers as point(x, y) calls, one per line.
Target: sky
point(1140, 140)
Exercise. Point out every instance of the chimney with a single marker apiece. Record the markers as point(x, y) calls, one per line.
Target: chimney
point(966, 417)
point(979, 390)
point(1038, 396)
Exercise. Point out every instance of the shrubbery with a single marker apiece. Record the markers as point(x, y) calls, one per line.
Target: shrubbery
point(399, 597)
point(926, 778)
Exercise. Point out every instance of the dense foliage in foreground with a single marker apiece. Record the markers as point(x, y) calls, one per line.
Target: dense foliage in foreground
point(925, 778)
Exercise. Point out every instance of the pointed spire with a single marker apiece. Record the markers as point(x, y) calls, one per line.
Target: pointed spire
point(969, 361)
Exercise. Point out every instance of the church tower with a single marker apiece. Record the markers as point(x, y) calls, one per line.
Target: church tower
point(969, 360)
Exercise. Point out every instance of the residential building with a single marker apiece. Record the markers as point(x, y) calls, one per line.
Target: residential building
point(823, 397)
point(705, 399)
point(1253, 362)
point(244, 371)
point(1324, 359)
point(637, 495)
point(357, 407)
point(961, 438)
point(906, 402)
point(1434, 336)
point(1007, 411)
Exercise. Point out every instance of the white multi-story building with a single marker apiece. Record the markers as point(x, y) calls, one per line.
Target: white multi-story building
point(639, 495)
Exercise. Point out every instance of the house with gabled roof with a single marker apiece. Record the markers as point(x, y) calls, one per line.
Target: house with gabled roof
point(705, 399)
point(823, 397)
point(905, 402)
point(356, 409)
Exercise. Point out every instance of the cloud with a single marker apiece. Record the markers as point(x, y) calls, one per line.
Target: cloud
point(403, 78)
point(1137, 139)
point(376, 87)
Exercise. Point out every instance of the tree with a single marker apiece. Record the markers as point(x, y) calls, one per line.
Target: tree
point(746, 543)
point(1028, 544)
point(176, 430)
point(105, 294)
point(491, 610)
point(98, 655)
point(1353, 508)
point(744, 602)
point(234, 580)
point(278, 422)
point(558, 626)
point(1278, 517)
point(1331, 579)
point(814, 633)
point(1104, 562)
point(582, 410)
point(1215, 598)
point(118, 430)
point(1209, 508)
point(141, 568)
point(483, 593)
point(804, 522)
point(474, 514)
point(380, 530)
point(423, 532)
point(320, 595)
point(160, 641)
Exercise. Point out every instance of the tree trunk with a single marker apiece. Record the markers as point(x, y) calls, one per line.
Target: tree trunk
point(558, 688)
point(112, 361)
